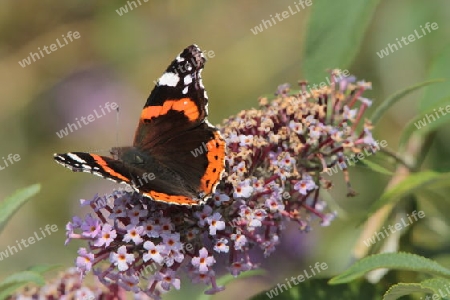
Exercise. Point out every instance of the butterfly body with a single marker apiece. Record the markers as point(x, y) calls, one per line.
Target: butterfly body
point(177, 156)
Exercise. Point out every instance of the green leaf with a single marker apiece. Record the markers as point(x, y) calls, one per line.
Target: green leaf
point(41, 269)
point(224, 280)
point(400, 261)
point(411, 184)
point(437, 285)
point(318, 289)
point(12, 203)
point(391, 100)
point(439, 69)
point(228, 278)
point(15, 281)
point(33, 274)
point(376, 167)
point(411, 127)
point(335, 31)
point(402, 289)
point(430, 286)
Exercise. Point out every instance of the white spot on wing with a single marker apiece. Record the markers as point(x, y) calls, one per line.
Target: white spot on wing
point(179, 58)
point(76, 158)
point(185, 90)
point(187, 79)
point(169, 79)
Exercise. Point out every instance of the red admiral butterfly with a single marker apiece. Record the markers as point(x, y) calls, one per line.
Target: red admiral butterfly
point(172, 125)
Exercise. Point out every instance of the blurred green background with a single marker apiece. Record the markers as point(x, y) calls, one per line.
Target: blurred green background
point(117, 58)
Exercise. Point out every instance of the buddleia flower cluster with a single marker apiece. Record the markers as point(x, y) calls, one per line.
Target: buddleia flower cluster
point(68, 285)
point(277, 160)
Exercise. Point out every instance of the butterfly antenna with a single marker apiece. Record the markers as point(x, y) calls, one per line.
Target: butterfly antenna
point(96, 150)
point(117, 127)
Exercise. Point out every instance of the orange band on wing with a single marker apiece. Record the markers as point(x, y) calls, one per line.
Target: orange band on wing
point(216, 157)
point(185, 105)
point(172, 199)
point(107, 169)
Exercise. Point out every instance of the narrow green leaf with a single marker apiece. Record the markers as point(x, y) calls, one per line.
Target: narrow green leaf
point(420, 123)
point(411, 184)
point(23, 276)
point(399, 261)
point(12, 203)
point(439, 69)
point(319, 289)
point(439, 285)
point(224, 280)
point(376, 167)
point(436, 286)
point(402, 289)
point(437, 204)
point(13, 282)
point(228, 278)
point(41, 269)
point(335, 31)
point(391, 100)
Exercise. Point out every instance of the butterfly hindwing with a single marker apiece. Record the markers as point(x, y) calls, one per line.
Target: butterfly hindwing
point(202, 164)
